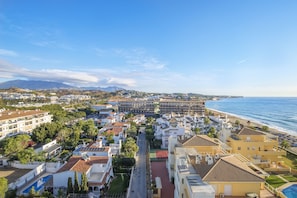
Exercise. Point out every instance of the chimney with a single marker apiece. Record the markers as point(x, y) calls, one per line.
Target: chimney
point(197, 159)
point(209, 160)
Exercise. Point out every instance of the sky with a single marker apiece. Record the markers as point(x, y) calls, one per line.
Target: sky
point(212, 47)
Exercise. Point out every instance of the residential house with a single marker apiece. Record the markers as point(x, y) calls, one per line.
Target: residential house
point(94, 160)
point(259, 147)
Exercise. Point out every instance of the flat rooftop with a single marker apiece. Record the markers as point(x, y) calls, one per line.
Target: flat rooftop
point(12, 174)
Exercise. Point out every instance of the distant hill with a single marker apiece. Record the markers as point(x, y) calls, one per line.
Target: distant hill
point(44, 85)
point(106, 89)
point(33, 85)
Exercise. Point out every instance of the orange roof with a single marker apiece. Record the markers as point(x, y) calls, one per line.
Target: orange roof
point(115, 131)
point(76, 163)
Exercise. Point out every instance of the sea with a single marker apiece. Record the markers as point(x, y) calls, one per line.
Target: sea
point(275, 112)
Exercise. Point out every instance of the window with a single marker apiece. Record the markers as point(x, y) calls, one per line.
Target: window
point(182, 180)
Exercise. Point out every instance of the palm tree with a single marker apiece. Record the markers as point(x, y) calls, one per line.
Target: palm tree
point(285, 144)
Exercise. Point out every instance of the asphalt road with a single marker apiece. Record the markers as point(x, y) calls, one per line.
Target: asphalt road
point(138, 187)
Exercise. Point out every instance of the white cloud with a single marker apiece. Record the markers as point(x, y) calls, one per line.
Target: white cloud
point(6, 52)
point(140, 59)
point(121, 82)
point(74, 77)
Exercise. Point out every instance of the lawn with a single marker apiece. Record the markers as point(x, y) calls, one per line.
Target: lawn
point(119, 184)
point(290, 178)
point(275, 181)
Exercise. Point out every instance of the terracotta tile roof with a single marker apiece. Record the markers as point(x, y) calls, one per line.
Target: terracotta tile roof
point(199, 140)
point(115, 131)
point(120, 124)
point(226, 169)
point(249, 131)
point(76, 163)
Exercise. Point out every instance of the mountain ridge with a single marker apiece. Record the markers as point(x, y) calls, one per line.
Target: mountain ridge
point(48, 85)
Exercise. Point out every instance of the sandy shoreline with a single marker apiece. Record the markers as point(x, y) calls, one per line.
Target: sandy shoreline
point(252, 123)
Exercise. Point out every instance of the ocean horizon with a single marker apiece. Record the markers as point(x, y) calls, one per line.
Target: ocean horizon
point(275, 112)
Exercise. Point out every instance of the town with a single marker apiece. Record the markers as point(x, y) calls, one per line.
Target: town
point(71, 143)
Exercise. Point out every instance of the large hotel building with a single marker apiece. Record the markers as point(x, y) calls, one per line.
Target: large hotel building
point(151, 107)
point(14, 122)
point(182, 106)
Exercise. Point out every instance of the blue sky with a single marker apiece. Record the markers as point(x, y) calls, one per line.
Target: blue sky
point(218, 47)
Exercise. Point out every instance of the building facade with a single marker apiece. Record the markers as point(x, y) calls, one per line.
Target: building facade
point(146, 107)
point(259, 147)
point(15, 122)
point(182, 107)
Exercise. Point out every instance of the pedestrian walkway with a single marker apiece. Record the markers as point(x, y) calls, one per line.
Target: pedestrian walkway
point(283, 178)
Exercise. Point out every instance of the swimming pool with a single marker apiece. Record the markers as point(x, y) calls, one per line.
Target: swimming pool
point(38, 185)
point(291, 191)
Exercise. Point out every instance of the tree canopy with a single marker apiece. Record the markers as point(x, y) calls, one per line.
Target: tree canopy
point(130, 147)
point(3, 186)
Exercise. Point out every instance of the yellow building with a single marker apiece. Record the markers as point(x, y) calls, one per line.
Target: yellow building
point(214, 176)
point(201, 143)
point(260, 148)
point(201, 167)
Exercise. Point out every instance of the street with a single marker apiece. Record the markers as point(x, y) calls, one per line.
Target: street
point(138, 187)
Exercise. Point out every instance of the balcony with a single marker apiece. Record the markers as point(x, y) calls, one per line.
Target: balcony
point(271, 152)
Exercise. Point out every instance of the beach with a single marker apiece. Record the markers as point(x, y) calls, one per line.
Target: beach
point(292, 139)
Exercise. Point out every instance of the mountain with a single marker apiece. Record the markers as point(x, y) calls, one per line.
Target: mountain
point(34, 85)
point(43, 85)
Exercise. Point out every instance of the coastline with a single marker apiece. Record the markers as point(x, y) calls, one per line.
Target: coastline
point(283, 135)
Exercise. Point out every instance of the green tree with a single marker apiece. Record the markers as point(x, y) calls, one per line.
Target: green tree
point(284, 144)
point(61, 193)
point(76, 186)
point(69, 185)
point(89, 128)
point(32, 192)
point(197, 130)
point(130, 147)
point(237, 122)
point(3, 186)
point(16, 144)
point(84, 183)
point(265, 128)
point(206, 121)
point(26, 155)
point(212, 132)
point(64, 135)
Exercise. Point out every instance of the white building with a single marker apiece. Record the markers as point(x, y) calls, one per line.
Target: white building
point(15, 122)
point(94, 160)
point(166, 128)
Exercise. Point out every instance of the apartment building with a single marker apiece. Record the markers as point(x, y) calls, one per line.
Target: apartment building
point(259, 147)
point(146, 107)
point(182, 107)
point(21, 121)
point(165, 128)
point(209, 176)
point(200, 143)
